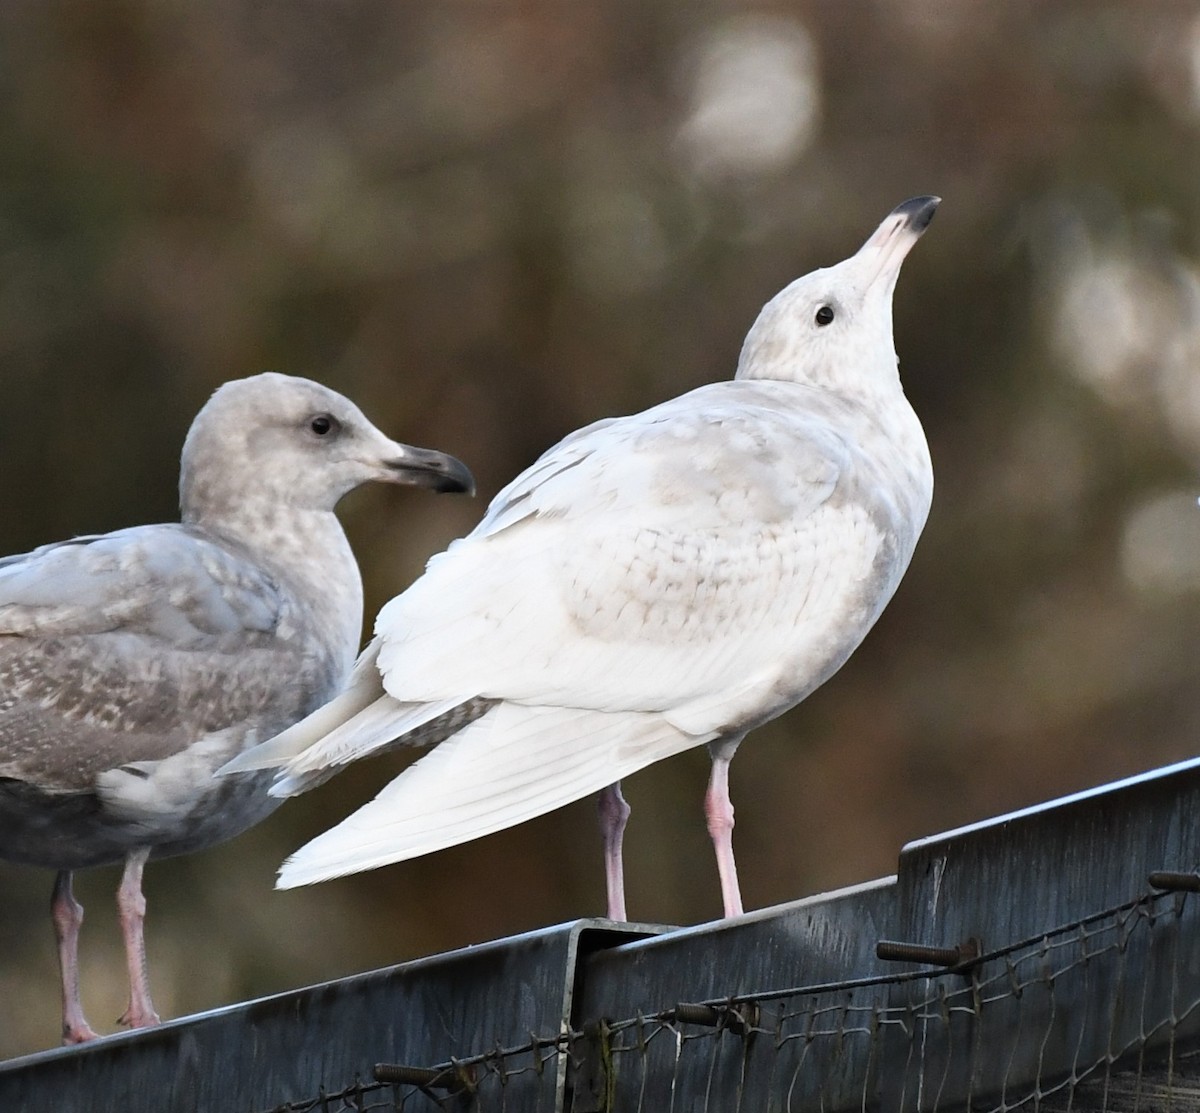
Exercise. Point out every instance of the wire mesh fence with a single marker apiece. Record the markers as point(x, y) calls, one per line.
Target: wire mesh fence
point(1071, 982)
point(1099, 1013)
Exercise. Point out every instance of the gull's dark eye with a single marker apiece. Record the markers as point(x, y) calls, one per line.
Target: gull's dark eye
point(825, 315)
point(323, 424)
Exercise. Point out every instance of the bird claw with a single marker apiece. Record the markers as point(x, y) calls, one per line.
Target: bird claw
point(139, 1018)
point(78, 1032)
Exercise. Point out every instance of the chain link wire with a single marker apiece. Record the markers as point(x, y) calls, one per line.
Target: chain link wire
point(1099, 1014)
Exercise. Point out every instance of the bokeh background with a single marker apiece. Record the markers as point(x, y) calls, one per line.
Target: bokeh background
point(491, 223)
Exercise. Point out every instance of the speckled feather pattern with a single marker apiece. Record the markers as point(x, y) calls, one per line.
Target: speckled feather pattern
point(135, 664)
point(652, 583)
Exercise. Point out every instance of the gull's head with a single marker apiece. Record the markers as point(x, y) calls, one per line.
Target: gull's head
point(833, 328)
point(293, 442)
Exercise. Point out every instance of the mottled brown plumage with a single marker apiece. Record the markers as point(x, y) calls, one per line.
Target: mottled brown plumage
point(134, 664)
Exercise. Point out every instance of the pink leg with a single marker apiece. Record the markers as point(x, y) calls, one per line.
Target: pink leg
point(67, 914)
point(614, 813)
point(719, 812)
point(131, 908)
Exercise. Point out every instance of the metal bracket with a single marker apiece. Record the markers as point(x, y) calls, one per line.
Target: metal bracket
point(454, 1079)
point(1171, 882)
point(963, 956)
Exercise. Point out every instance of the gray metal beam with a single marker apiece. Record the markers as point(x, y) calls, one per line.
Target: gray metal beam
point(1088, 977)
point(1070, 1003)
point(794, 1051)
point(290, 1047)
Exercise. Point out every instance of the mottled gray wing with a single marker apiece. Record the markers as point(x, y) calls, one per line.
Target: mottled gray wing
point(657, 562)
point(129, 647)
point(163, 581)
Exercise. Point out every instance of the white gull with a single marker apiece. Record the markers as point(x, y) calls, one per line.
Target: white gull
point(652, 583)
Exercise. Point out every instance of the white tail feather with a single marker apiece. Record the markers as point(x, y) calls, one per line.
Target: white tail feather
point(512, 764)
point(362, 689)
point(372, 728)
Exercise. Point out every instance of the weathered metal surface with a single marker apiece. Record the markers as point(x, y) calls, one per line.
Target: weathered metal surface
point(290, 1047)
point(792, 1051)
point(1070, 1003)
point(1041, 1021)
point(1152, 1087)
point(1073, 982)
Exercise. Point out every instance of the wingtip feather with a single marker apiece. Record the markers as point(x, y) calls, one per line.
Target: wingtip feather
point(500, 770)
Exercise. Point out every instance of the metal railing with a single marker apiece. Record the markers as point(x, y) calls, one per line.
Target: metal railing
point(1046, 960)
point(1056, 1020)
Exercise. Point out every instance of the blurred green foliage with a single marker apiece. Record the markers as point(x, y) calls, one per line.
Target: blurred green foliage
point(490, 224)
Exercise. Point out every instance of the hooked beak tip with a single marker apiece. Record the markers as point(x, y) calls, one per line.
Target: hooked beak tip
point(887, 246)
point(917, 212)
point(438, 471)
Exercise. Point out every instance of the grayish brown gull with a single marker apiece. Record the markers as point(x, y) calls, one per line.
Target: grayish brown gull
point(134, 664)
point(652, 583)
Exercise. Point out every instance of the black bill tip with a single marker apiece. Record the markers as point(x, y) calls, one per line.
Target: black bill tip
point(917, 212)
point(439, 471)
